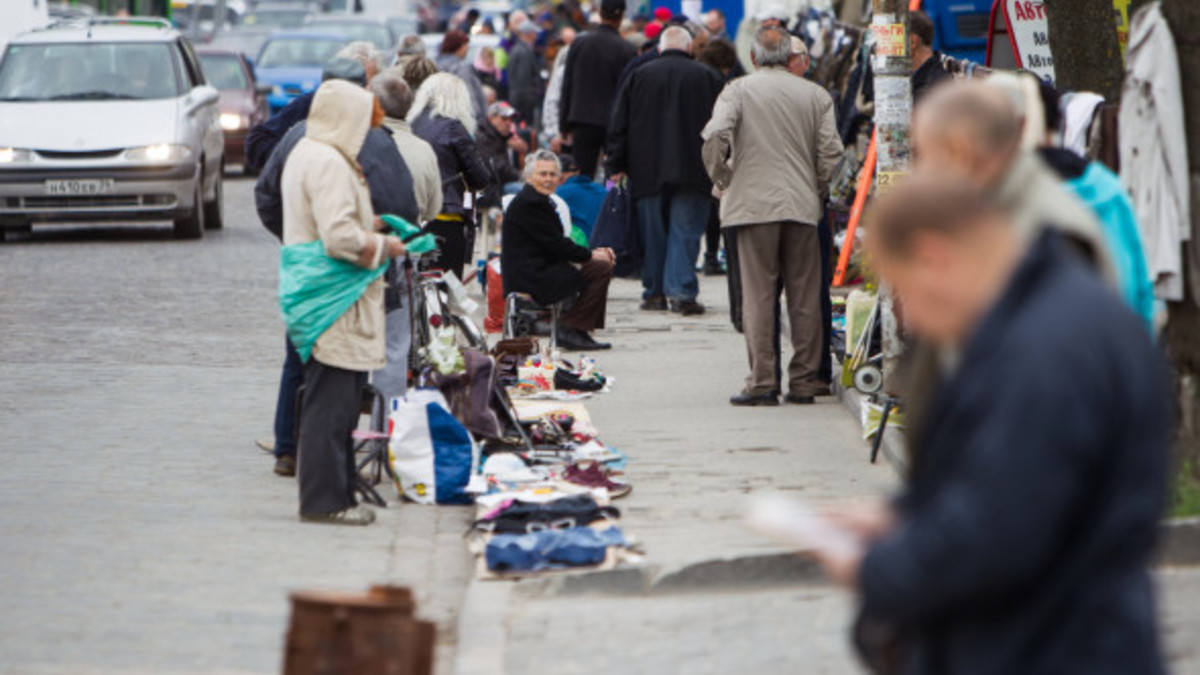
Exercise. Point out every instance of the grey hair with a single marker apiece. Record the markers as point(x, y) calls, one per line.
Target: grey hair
point(444, 95)
point(411, 45)
point(365, 53)
point(772, 47)
point(675, 37)
point(541, 156)
point(393, 93)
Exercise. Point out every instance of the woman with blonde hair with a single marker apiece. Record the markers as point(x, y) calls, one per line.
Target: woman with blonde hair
point(442, 115)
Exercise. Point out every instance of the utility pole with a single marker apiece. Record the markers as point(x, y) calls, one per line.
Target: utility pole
point(893, 116)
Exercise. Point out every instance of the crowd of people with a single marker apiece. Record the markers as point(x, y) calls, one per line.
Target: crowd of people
point(1003, 250)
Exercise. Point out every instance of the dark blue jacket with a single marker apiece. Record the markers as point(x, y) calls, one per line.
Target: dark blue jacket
point(261, 140)
point(388, 178)
point(1036, 491)
point(458, 159)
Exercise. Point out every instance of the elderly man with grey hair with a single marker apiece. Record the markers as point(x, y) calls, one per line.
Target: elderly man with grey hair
point(655, 138)
point(396, 98)
point(771, 147)
point(537, 258)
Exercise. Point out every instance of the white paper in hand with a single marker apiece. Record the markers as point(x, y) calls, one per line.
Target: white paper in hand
point(794, 523)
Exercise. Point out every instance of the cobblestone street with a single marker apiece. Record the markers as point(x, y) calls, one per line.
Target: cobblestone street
point(143, 532)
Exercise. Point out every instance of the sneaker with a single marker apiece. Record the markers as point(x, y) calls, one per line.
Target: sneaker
point(355, 515)
point(285, 465)
point(656, 303)
point(266, 445)
point(687, 307)
point(712, 268)
point(591, 475)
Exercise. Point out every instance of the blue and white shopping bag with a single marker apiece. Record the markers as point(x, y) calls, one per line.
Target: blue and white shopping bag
point(432, 454)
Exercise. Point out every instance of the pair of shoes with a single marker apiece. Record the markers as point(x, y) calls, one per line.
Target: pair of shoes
point(574, 340)
point(799, 399)
point(285, 465)
point(265, 444)
point(355, 515)
point(712, 268)
point(748, 399)
point(687, 307)
point(823, 389)
point(592, 475)
point(654, 303)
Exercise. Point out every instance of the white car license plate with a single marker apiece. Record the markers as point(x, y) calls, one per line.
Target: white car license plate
point(91, 186)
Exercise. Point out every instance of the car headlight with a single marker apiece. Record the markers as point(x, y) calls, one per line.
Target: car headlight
point(234, 121)
point(161, 152)
point(14, 155)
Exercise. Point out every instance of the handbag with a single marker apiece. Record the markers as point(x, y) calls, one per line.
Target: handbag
point(616, 228)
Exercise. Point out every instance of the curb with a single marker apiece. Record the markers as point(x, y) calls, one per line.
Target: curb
point(1179, 538)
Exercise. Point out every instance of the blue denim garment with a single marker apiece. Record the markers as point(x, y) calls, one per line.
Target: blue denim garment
point(551, 549)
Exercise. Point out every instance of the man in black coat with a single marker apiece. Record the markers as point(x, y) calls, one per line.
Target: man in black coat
point(539, 259)
point(655, 137)
point(1022, 542)
point(495, 141)
point(589, 87)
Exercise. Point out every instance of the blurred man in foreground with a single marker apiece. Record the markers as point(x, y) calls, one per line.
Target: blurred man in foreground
point(1022, 541)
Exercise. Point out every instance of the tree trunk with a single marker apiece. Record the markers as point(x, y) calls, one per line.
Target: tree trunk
point(1083, 40)
point(1183, 325)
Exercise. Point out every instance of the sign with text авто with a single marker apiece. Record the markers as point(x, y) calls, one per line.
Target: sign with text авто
point(1029, 33)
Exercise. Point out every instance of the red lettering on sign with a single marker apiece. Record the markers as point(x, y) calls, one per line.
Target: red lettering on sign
point(1020, 12)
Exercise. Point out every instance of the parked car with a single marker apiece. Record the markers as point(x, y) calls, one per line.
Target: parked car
point(356, 29)
point(243, 99)
point(245, 40)
point(292, 62)
point(278, 16)
point(105, 121)
point(403, 25)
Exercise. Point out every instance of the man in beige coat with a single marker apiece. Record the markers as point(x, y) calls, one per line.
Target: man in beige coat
point(325, 197)
point(771, 147)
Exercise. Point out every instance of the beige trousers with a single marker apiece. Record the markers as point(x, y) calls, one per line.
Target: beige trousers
point(768, 253)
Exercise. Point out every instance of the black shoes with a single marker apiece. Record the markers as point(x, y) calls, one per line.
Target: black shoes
point(747, 399)
point(712, 268)
point(799, 400)
point(687, 307)
point(285, 465)
point(655, 303)
point(574, 340)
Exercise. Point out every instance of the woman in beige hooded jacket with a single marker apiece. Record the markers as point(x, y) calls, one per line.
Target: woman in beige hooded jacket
point(325, 197)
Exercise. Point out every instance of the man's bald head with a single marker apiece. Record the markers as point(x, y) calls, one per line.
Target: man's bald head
point(966, 127)
point(675, 37)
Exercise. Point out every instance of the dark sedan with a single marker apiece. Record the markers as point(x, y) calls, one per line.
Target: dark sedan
point(243, 101)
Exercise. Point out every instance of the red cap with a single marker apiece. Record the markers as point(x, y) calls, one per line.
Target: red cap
point(652, 30)
point(662, 14)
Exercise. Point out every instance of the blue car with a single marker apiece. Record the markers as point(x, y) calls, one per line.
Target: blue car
point(292, 62)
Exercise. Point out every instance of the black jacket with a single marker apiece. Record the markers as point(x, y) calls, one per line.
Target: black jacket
point(536, 257)
point(594, 64)
point(657, 120)
point(458, 160)
point(928, 76)
point(524, 79)
point(388, 179)
point(493, 150)
point(1036, 491)
point(261, 140)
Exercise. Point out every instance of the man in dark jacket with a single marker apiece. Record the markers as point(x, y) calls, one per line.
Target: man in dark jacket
point(539, 259)
point(1022, 542)
point(656, 139)
point(495, 140)
point(594, 63)
point(928, 69)
point(524, 73)
point(391, 187)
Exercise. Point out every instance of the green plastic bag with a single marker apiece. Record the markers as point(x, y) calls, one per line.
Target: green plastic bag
point(414, 242)
point(316, 290)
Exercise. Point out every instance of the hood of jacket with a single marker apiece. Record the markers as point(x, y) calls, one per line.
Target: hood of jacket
point(341, 117)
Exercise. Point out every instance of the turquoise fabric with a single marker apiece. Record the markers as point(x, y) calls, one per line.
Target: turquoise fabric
point(1101, 190)
point(315, 290)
